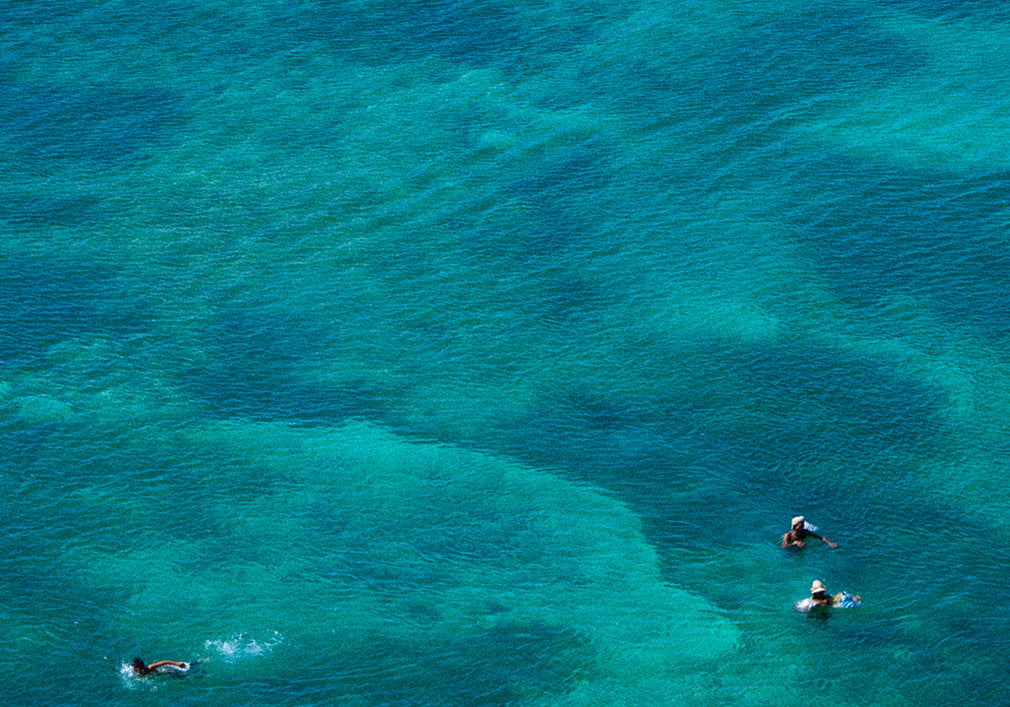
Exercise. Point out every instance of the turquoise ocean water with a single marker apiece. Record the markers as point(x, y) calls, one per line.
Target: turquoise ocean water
point(479, 352)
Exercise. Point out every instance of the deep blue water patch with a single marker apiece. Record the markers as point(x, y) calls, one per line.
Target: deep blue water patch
point(104, 124)
point(45, 524)
point(821, 51)
point(867, 406)
point(19, 13)
point(230, 390)
point(893, 229)
point(773, 66)
point(586, 166)
point(816, 398)
point(44, 302)
point(360, 565)
point(375, 32)
point(750, 417)
point(560, 190)
point(173, 481)
point(648, 90)
point(567, 299)
point(253, 373)
point(50, 210)
point(480, 32)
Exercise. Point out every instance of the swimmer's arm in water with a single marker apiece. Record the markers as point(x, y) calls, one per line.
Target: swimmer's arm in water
point(821, 537)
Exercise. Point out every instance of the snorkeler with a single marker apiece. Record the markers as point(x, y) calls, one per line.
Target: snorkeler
point(799, 533)
point(161, 667)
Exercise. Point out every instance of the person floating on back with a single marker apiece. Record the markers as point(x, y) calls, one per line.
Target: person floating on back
point(161, 667)
point(796, 538)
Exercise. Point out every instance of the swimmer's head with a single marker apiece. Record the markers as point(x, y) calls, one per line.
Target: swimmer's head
point(140, 667)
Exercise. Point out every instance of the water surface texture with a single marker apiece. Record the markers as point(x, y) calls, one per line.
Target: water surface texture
point(469, 353)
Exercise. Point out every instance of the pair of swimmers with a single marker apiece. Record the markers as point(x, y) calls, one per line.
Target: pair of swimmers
point(819, 597)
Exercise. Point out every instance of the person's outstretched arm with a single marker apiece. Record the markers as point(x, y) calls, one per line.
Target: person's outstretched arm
point(177, 664)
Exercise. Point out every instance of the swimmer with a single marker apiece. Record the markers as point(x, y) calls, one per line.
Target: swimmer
point(819, 594)
point(820, 599)
point(797, 536)
point(161, 667)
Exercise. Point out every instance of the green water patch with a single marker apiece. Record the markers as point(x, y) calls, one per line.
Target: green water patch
point(427, 283)
point(579, 272)
point(922, 118)
point(677, 496)
point(526, 583)
point(90, 379)
point(222, 197)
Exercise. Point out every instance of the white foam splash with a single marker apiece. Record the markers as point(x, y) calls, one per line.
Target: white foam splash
point(240, 646)
point(132, 681)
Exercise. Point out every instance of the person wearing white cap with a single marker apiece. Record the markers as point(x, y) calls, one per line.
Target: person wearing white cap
point(819, 594)
point(796, 538)
point(821, 600)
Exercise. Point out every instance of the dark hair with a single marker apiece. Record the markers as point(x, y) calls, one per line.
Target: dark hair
point(140, 667)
